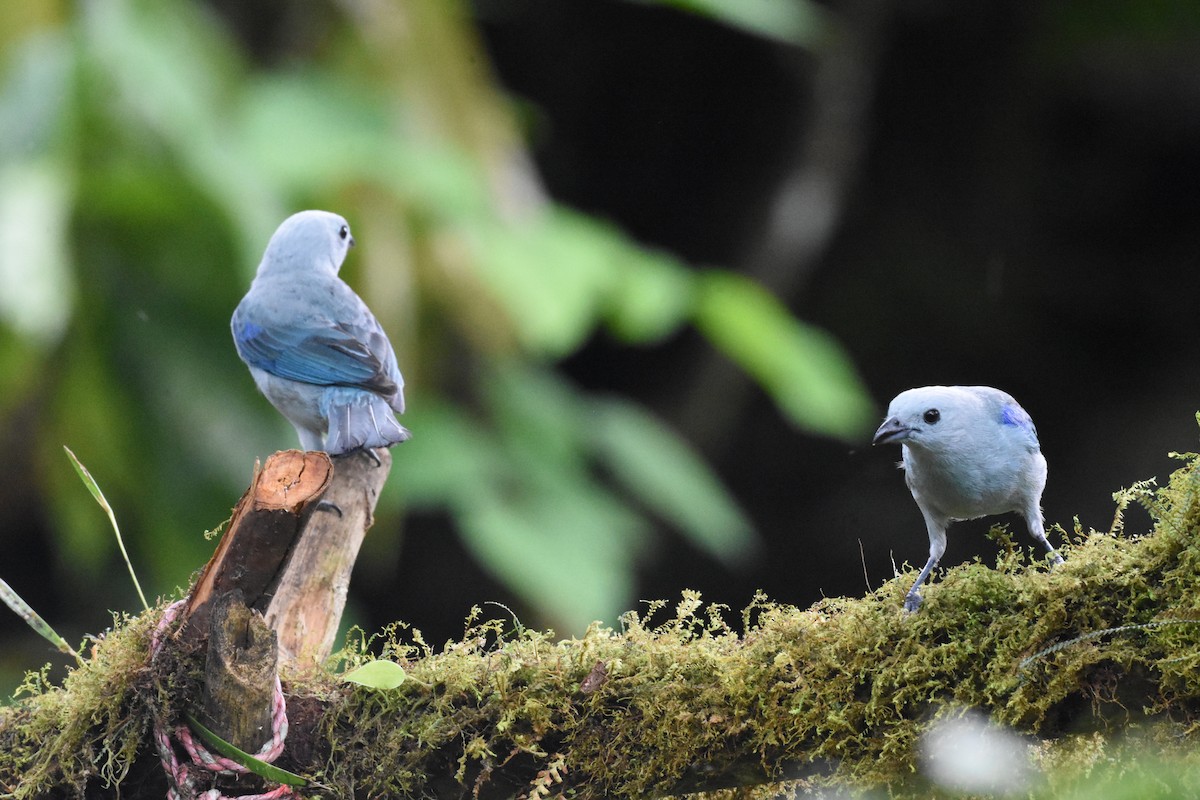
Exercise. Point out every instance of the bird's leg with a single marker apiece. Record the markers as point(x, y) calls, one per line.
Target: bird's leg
point(1040, 535)
point(937, 547)
point(325, 505)
point(912, 600)
point(1058, 559)
point(370, 451)
point(1037, 529)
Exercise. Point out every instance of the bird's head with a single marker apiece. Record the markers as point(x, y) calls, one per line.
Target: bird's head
point(308, 240)
point(921, 417)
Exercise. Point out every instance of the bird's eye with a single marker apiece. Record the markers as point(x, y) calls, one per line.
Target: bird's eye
point(932, 416)
point(343, 232)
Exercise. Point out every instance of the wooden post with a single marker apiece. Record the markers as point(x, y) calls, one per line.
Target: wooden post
point(265, 526)
point(273, 593)
point(239, 674)
point(307, 603)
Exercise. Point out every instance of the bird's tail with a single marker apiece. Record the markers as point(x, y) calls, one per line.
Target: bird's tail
point(360, 419)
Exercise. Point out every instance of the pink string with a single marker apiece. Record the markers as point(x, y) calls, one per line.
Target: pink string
point(180, 774)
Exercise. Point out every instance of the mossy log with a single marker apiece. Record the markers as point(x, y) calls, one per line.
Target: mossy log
point(679, 701)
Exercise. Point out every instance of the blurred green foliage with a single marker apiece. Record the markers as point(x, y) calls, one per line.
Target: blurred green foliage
point(799, 22)
point(144, 163)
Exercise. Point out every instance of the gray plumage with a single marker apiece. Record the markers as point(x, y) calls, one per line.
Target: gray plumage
point(313, 347)
point(968, 452)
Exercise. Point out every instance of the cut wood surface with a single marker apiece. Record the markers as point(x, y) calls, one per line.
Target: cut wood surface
point(262, 532)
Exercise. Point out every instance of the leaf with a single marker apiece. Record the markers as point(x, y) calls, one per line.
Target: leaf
point(660, 469)
point(553, 274)
point(799, 22)
point(653, 296)
point(805, 370)
point(260, 768)
point(35, 621)
point(378, 674)
point(94, 488)
point(561, 544)
point(173, 71)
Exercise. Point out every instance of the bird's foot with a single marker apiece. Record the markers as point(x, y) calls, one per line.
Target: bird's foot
point(1057, 559)
point(912, 602)
point(325, 505)
point(370, 451)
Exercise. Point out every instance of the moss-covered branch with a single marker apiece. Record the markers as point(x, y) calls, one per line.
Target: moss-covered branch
point(678, 700)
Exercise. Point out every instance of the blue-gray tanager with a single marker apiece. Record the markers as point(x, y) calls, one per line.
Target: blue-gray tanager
point(314, 348)
point(969, 451)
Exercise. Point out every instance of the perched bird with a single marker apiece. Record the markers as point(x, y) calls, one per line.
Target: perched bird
point(969, 451)
point(313, 347)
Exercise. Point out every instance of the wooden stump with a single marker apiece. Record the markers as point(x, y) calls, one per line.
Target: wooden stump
point(273, 593)
point(307, 603)
point(239, 674)
point(265, 526)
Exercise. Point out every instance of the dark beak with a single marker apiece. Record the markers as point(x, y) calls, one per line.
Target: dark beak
point(892, 431)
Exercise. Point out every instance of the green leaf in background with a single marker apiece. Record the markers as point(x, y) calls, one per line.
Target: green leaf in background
point(552, 278)
point(37, 290)
point(171, 76)
point(653, 296)
point(377, 674)
point(449, 451)
point(561, 274)
point(663, 472)
point(532, 510)
point(798, 22)
point(563, 545)
point(34, 100)
point(807, 373)
point(540, 521)
point(287, 121)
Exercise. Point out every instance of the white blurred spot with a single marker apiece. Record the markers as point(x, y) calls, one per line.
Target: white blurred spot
point(35, 282)
point(970, 754)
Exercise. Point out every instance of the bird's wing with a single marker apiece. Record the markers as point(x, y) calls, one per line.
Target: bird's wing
point(1012, 414)
point(341, 353)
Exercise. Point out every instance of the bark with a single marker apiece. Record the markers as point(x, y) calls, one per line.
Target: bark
point(239, 674)
point(265, 526)
point(291, 546)
point(308, 601)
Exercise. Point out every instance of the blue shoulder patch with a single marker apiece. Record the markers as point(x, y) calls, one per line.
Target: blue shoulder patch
point(1014, 415)
point(246, 331)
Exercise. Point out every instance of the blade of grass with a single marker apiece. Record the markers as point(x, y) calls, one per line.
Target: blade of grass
point(35, 621)
point(94, 488)
point(260, 768)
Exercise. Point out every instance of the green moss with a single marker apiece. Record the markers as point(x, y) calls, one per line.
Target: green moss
point(837, 694)
point(87, 730)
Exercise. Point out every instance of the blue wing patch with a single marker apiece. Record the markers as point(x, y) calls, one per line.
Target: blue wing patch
point(1012, 414)
point(334, 357)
